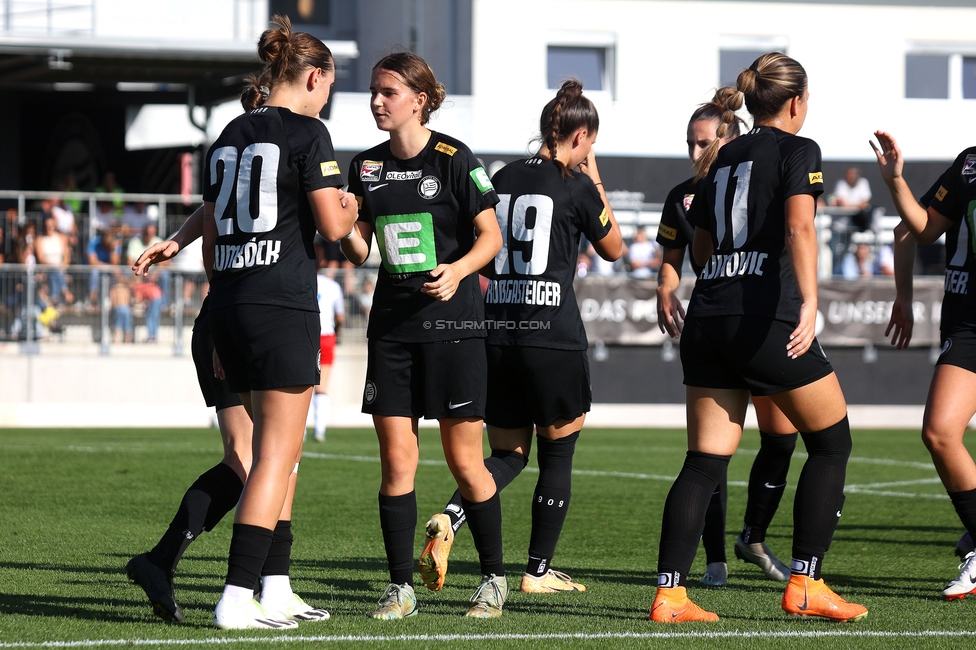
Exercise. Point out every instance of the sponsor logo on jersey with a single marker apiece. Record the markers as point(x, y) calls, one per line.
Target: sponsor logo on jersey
point(330, 168)
point(429, 187)
point(667, 233)
point(370, 170)
point(445, 148)
point(406, 242)
point(738, 263)
point(941, 194)
point(404, 176)
point(604, 218)
point(480, 178)
point(245, 256)
point(969, 165)
point(523, 292)
point(816, 177)
point(687, 202)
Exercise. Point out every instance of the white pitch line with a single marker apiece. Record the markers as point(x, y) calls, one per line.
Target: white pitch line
point(920, 481)
point(454, 638)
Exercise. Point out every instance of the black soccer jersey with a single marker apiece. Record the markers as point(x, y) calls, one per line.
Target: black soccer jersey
point(675, 231)
point(742, 204)
point(530, 299)
point(422, 213)
point(257, 175)
point(955, 198)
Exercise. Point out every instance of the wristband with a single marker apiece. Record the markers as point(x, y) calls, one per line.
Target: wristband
point(352, 233)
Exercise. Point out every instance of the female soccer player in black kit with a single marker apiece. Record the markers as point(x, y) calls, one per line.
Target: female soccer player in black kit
point(777, 435)
point(951, 402)
point(538, 374)
point(270, 181)
point(750, 328)
point(431, 206)
point(216, 491)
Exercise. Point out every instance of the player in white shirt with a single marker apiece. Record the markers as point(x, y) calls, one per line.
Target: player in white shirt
point(332, 314)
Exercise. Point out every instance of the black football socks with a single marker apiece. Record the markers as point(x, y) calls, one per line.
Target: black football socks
point(214, 494)
point(819, 496)
point(504, 466)
point(398, 519)
point(713, 535)
point(485, 522)
point(767, 482)
point(684, 515)
point(550, 502)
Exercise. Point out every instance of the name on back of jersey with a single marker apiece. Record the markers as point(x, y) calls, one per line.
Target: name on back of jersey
point(523, 292)
point(245, 256)
point(737, 263)
point(956, 281)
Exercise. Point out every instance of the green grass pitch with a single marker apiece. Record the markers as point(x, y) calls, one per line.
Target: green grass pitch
point(76, 504)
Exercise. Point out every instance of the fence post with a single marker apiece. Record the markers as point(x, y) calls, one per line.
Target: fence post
point(30, 346)
point(106, 348)
point(178, 316)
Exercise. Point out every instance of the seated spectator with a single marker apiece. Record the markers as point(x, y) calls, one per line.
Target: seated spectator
point(365, 296)
point(121, 297)
point(884, 262)
point(148, 236)
point(24, 246)
point(104, 251)
point(65, 219)
point(857, 263)
point(150, 294)
point(854, 191)
point(51, 248)
point(643, 255)
point(134, 217)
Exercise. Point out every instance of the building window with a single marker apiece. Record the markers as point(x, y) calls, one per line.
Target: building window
point(588, 64)
point(732, 62)
point(587, 56)
point(969, 77)
point(940, 71)
point(926, 76)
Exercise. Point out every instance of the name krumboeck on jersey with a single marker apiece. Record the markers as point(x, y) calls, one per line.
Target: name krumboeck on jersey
point(245, 256)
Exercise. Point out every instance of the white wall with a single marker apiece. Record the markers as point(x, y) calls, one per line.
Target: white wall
point(667, 63)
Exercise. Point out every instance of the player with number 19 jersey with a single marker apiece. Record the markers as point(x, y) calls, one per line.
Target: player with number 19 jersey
point(257, 174)
point(422, 211)
point(742, 204)
point(530, 299)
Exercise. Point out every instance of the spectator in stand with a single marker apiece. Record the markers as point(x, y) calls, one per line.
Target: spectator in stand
point(600, 266)
point(366, 296)
point(857, 263)
point(52, 248)
point(148, 236)
point(65, 219)
point(109, 186)
point(854, 191)
point(150, 294)
point(104, 250)
point(643, 255)
point(24, 248)
point(331, 317)
point(121, 296)
point(884, 262)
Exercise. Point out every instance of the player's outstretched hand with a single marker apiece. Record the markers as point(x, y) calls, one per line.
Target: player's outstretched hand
point(889, 156)
point(158, 252)
point(445, 283)
point(901, 324)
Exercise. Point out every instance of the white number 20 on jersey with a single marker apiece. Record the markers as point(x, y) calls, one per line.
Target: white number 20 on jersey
point(508, 261)
point(267, 212)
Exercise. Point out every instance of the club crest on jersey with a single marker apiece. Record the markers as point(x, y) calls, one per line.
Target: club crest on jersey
point(370, 171)
point(687, 201)
point(969, 166)
point(369, 393)
point(429, 187)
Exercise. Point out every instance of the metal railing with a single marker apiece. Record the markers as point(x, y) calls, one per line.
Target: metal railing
point(106, 306)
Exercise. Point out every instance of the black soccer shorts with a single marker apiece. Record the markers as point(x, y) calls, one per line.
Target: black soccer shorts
point(747, 352)
point(529, 385)
point(446, 379)
point(215, 391)
point(959, 348)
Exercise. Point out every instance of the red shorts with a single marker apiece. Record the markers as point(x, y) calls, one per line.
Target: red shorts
point(327, 343)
